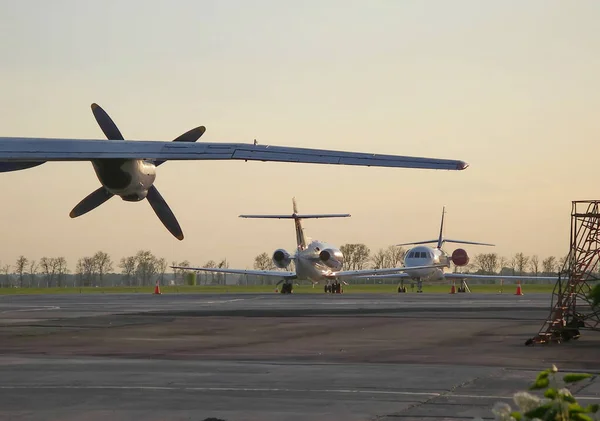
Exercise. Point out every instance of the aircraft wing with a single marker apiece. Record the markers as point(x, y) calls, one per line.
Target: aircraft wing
point(21, 149)
point(274, 273)
point(385, 273)
point(515, 277)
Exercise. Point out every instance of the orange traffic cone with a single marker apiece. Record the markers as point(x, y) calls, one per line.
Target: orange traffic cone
point(157, 289)
point(519, 289)
point(453, 288)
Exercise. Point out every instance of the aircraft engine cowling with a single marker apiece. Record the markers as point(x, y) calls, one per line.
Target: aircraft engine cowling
point(332, 258)
point(460, 257)
point(282, 258)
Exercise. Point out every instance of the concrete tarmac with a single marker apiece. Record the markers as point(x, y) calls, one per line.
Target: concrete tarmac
point(275, 357)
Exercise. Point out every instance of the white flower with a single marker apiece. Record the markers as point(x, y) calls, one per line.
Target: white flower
point(501, 411)
point(554, 369)
point(526, 401)
point(564, 392)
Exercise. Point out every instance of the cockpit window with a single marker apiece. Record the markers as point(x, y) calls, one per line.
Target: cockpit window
point(411, 254)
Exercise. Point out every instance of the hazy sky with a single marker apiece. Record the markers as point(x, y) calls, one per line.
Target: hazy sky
point(511, 87)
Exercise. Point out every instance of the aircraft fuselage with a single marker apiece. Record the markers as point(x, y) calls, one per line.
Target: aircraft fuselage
point(422, 256)
point(317, 260)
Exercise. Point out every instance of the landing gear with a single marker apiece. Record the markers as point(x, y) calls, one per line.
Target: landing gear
point(286, 288)
point(419, 285)
point(401, 287)
point(333, 288)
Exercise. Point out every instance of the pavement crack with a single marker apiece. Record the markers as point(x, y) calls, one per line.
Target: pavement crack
point(403, 413)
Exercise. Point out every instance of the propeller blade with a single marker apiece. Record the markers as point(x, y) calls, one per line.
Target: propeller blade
point(164, 213)
point(92, 201)
point(106, 124)
point(189, 136)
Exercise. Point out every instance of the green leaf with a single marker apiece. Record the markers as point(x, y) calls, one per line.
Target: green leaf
point(516, 415)
point(575, 408)
point(575, 377)
point(568, 398)
point(540, 384)
point(581, 417)
point(543, 375)
point(538, 412)
point(592, 408)
point(551, 393)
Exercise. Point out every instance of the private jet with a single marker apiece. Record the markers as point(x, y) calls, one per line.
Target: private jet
point(425, 263)
point(128, 169)
point(314, 260)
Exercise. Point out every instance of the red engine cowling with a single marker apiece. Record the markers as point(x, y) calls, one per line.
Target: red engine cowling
point(460, 257)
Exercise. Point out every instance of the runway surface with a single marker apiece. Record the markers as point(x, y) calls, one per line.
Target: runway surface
point(274, 357)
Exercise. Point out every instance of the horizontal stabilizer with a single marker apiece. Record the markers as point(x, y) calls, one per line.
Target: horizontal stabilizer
point(467, 242)
point(299, 216)
point(418, 242)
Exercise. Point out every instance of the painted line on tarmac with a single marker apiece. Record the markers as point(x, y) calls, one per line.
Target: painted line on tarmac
point(262, 390)
point(36, 308)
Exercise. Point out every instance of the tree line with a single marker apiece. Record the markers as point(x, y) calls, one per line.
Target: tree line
point(144, 268)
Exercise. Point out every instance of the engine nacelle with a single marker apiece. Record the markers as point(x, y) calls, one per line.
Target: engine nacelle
point(128, 178)
point(282, 258)
point(333, 258)
point(460, 257)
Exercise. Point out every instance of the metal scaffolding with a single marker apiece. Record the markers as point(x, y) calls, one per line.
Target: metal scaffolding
point(571, 308)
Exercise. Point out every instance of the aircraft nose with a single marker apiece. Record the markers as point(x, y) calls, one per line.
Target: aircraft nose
point(462, 165)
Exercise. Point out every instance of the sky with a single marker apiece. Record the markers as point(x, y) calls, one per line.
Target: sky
point(510, 87)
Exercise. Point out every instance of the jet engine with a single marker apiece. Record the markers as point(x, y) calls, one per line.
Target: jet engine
point(460, 257)
point(333, 258)
point(282, 258)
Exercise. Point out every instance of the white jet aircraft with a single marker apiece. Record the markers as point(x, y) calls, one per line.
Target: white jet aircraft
point(128, 169)
point(417, 257)
point(314, 261)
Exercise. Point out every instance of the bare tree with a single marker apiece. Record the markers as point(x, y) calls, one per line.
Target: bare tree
point(549, 265)
point(59, 265)
point(47, 269)
point(395, 256)
point(162, 269)
point(534, 264)
point(86, 271)
point(379, 259)
point(183, 272)
point(356, 255)
point(127, 266)
point(562, 263)
point(33, 267)
point(521, 262)
point(223, 264)
point(486, 263)
point(20, 269)
point(211, 264)
point(261, 262)
point(146, 266)
point(6, 271)
point(103, 264)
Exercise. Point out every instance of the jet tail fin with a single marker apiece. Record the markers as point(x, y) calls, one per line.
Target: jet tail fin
point(297, 217)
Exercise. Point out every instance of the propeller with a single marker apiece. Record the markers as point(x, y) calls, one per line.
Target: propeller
point(159, 205)
point(164, 213)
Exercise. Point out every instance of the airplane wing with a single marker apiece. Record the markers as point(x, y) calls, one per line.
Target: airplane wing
point(518, 278)
point(21, 149)
point(385, 273)
point(274, 273)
